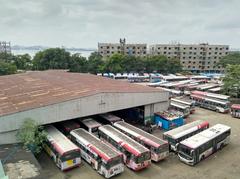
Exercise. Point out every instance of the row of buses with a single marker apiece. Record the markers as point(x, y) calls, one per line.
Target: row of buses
point(106, 148)
point(119, 143)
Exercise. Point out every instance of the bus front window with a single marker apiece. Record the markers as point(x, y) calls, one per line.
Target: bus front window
point(143, 157)
point(114, 162)
point(186, 151)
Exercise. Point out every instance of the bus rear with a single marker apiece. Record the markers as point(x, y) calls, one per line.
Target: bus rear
point(112, 167)
point(235, 110)
point(64, 153)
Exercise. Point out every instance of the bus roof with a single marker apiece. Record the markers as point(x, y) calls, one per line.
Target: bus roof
point(235, 106)
point(110, 117)
point(185, 129)
point(213, 95)
point(217, 101)
point(123, 140)
point(179, 105)
point(89, 122)
point(183, 101)
point(60, 142)
point(95, 144)
point(138, 133)
point(204, 136)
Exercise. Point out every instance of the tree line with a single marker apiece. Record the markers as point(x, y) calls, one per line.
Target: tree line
point(58, 58)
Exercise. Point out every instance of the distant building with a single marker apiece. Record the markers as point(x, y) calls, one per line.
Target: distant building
point(108, 49)
point(196, 58)
point(5, 47)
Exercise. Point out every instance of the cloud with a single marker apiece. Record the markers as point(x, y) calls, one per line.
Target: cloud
point(84, 23)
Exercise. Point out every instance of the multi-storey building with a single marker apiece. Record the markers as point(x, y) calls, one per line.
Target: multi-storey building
point(5, 47)
point(108, 49)
point(197, 58)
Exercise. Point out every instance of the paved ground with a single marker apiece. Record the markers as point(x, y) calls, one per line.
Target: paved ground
point(222, 165)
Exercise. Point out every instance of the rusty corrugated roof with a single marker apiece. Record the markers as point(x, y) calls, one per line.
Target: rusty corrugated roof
point(36, 89)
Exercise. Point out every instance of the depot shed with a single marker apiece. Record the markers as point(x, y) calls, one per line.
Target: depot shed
point(56, 95)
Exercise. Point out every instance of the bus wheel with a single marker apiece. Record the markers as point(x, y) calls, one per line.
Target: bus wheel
point(202, 158)
point(221, 146)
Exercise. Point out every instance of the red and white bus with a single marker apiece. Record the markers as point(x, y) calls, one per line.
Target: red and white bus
point(67, 126)
point(181, 133)
point(158, 147)
point(62, 150)
point(215, 102)
point(104, 159)
point(187, 102)
point(196, 148)
point(108, 118)
point(135, 156)
point(235, 110)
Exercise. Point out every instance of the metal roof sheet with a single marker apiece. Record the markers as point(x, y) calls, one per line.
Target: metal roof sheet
point(30, 90)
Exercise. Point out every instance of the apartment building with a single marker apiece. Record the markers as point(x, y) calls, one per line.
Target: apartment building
point(5, 47)
point(108, 49)
point(196, 58)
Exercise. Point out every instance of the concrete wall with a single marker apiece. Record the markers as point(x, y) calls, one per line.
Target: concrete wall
point(86, 106)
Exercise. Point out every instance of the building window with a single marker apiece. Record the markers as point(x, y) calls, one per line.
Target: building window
point(158, 53)
point(158, 48)
point(189, 66)
point(194, 62)
point(183, 62)
point(216, 53)
point(165, 48)
point(209, 53)
point(169, 53)
point(190, 52)
point(210, 48)
point(164, 52)
point(220, 53)
point(183, 57)
point(215, 57)
point(226, 48)
point(184, 48)
point(226, 53)
point(107, 51)
point(195, 53)
point(214, 62)
point(189, 61)
point(101, 47)
point(118, 47)
point(184, 53)
point(208, 66)
point(190, 48)
point(169, 48)
point(107, 47)
point(189, 57)
point(216, 48)
point(209, 57)
point(208, 62)
point(220, 49)
point(194, 57)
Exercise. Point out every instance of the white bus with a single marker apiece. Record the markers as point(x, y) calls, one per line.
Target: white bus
point(62, 151)
point(185, 109)
point(189, 103)
point(158, 147)
point(217, 105)
point(135, 156)
point(105, 160)
point(90, 125)
point(196, 148)
point(179, 134)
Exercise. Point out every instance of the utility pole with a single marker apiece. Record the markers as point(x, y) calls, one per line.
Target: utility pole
point(122, 45)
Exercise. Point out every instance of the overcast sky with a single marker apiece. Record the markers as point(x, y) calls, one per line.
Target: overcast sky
point(84, 23)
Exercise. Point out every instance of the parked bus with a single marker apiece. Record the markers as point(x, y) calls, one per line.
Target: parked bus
point(185, 109)
point(135, 156)
point(179, 134)
point(90, 125)
point(189, 103)
point(62, 151)
point(158, 147)
point(194, 149)
point(235, 110)
point(105, 160)
point(108, 118)
point(217, 105)
point(66, 127)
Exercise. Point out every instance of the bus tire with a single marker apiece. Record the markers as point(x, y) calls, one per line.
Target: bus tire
point(202, 158)
point(221, 146)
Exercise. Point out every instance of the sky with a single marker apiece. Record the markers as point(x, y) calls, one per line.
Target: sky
point(84, 23)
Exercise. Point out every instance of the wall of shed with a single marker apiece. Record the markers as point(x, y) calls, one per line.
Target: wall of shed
point(85, 106)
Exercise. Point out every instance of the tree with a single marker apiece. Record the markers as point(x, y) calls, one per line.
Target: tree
point(78, 63)
point(232, 81)
point(230, 59)
point(7, 68)
point(23, 62)
point(114, 63)
point(31, 135)
point(52, 58)
point(95, 63)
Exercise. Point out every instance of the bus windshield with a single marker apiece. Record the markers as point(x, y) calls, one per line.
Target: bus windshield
point(94, 129)
point(142, 157)
point(162, 148)
point(186, 151)
point(70, 155)
point(113, 162)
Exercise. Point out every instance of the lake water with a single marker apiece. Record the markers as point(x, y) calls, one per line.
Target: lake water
point(33, 52)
